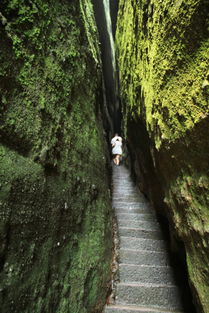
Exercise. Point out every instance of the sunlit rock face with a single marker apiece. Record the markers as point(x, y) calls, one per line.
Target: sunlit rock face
point(106, 55)
point(55, 227)
point(105, 15)
point(163, 55)
point(114, 13)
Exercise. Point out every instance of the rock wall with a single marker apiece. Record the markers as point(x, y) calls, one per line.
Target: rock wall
point(163, 55)
point(55, 245)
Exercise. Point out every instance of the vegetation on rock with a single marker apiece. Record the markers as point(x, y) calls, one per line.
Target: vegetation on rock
point(163, 56)
point(54, 202)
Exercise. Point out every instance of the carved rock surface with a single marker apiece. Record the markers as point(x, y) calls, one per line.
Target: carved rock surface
point(145, 282)
point(55, 244)
point(163, 56)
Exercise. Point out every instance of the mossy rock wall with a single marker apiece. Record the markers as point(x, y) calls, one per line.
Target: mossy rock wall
point(55, 245)
point(163, 56)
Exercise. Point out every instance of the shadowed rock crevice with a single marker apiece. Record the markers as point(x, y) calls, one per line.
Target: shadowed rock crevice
point(163, 59)
point(110, 73)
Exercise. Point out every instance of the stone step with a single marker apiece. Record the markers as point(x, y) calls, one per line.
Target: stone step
point(130, 190)
point(142, 244)
point(136, 217)
point(146, 274)
point(123, 175)
point(134, 205)
point(129, 211)
point(123, 198)
point(128, 197)
point(140, 233)
point(117, 182)
point(124, 202)
point(134, 309)
point(152, 295)
point(143, 257)
point(123, 184)
point(123, 172)
point(146, 282)
point(128, 202)
point(132, 210)
point(147, 225)
point(140, 206)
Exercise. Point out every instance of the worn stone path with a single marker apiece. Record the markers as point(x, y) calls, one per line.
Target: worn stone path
point(147, 284)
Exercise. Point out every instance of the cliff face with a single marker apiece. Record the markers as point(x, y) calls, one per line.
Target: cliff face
point(55, 227)
point(163, 55)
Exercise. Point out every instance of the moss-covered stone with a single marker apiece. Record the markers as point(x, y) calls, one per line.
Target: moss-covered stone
point(55, 204)
point(163, 55)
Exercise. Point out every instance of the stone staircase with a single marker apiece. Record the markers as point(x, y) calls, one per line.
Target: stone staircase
point(147, 283)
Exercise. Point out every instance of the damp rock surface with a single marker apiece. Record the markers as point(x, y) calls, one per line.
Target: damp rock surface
point(163, 52)
point(55, 232)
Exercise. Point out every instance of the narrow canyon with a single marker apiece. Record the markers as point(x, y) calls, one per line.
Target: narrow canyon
point(72, 74)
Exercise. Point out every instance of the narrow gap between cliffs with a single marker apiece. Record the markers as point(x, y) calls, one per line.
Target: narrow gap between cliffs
point(106, 22)
point(106, 17)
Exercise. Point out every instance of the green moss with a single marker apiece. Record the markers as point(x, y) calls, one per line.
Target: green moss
point(55, 205)
point(163, 56)
point(163, 66)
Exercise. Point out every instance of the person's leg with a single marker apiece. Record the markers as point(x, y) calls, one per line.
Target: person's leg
point(117, 159)
point(114, 159)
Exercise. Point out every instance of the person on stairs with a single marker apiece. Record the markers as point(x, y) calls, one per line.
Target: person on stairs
point(116, 143)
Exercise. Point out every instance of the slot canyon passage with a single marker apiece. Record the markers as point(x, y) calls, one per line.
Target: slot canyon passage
point(57, 116)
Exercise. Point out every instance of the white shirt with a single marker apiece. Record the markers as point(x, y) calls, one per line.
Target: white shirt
point(117, 148)
point(114, 140)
